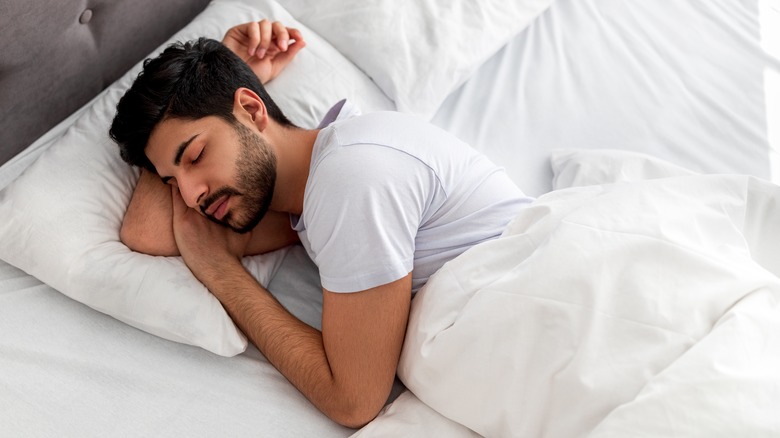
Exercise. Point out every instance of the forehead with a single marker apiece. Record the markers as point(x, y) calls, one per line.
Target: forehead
point(170, 134)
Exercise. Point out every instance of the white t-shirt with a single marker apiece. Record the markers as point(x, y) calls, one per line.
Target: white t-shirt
point(389, 194)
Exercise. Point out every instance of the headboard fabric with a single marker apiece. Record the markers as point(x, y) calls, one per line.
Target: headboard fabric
point(57, 55)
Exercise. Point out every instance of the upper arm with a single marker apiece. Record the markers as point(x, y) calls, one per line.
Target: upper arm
point(273, 232)
point(363, 213)
point(362, 333)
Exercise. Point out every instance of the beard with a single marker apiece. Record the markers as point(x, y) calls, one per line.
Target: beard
point(256, 178)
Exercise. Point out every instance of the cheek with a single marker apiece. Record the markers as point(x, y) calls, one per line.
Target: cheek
point(223, 170)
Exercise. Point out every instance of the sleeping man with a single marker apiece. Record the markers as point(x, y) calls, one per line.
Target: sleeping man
point(379, 201)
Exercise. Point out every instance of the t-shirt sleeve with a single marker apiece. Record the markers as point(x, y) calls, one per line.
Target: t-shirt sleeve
point(363, 210)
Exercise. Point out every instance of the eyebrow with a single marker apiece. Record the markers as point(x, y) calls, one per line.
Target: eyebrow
point(179, 153)
point(181, 149)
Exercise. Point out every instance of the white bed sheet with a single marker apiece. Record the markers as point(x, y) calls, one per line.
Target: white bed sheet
point(588, 74)
point(69, 371)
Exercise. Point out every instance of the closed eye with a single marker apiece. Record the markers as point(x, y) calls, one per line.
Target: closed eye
point(199, 157)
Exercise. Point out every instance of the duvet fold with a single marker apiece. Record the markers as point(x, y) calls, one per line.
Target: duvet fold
point(644, 308)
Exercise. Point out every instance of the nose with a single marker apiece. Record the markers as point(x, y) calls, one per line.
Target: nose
point(192, 192)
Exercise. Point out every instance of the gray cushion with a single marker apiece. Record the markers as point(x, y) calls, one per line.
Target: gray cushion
point(56, 56)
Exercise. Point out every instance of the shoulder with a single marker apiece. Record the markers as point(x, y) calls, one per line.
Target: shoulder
point(384, 127)
point(361, 165)
point(401, 134)
point(359, 173)
point(369, 146)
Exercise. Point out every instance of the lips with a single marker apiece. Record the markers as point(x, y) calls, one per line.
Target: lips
point(218, 208)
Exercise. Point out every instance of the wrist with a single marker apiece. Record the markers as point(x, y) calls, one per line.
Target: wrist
point(215, 271)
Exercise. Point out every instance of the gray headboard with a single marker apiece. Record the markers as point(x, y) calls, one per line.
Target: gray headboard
point(58, 54)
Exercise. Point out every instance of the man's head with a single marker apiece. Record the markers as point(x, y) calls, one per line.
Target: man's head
point(194, 115)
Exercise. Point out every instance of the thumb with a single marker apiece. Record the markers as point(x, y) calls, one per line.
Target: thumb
point(283, 58)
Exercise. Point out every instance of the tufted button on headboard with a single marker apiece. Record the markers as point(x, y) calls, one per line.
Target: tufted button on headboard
point(56, 55)
point(85, 16)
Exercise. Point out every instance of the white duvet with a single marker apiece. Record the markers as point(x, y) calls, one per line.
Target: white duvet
point(632, 309)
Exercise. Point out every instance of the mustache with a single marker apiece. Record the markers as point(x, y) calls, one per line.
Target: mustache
point(214, 197)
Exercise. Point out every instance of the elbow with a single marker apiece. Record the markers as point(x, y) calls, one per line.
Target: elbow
point(357, 413)
point(356, 418)
point(133, 239)
point(129, 237)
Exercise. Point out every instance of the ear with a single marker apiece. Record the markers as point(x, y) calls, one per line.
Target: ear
point(248, 107)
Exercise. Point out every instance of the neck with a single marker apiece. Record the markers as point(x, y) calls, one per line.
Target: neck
point(293, 148)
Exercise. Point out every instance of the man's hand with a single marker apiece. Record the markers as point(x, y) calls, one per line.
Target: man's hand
point(205, 246)
point(265, 46)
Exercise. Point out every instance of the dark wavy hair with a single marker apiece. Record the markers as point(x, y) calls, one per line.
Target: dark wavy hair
point(188, 80)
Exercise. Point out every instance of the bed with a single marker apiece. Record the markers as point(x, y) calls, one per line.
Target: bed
point(649, 284)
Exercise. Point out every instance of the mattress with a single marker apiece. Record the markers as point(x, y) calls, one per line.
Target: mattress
point(694, 83)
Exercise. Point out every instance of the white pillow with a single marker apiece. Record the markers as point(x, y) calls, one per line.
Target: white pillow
point(418, 51)
point(61, 217)
point(580, 167)
point(319, 77)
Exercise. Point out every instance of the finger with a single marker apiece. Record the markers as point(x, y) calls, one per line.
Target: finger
point(280, 35)
point(253, 36)
point(282, 59)
point(297, 42)
point(228, 39)
point(295, 34)
point(238, 34)
point(266, 34)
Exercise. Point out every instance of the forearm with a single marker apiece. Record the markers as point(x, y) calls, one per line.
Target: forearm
point(147, 226)
point(347, 370)
point(293, 347)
